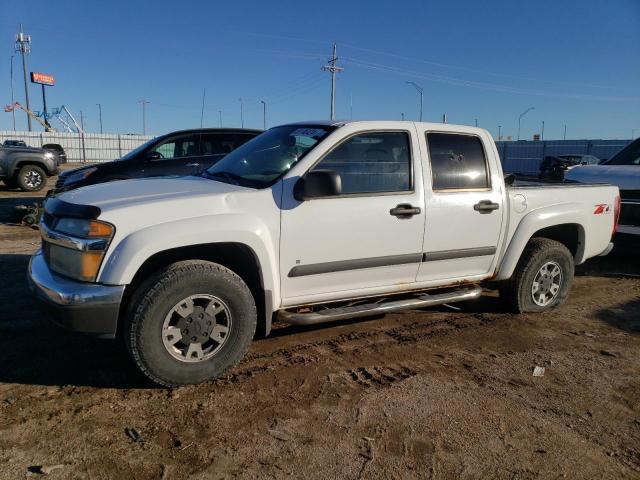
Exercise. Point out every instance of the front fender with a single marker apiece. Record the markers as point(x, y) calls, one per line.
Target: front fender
point(127, 256)
point(561, 214)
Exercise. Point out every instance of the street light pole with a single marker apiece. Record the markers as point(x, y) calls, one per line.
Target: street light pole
point(220, 115)
point(144, 115)
point(100, 115)
point(564, 137)
point(264, 114)
point(499, 132)
point(13, 110)
point(420, 90)
point(542, 133)
point(241, 117)
point(520, 118)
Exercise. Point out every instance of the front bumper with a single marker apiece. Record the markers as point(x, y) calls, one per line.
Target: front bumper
point(88, 308)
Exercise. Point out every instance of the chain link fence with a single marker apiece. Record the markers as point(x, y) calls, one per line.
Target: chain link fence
point(88, 147)
point(525, 156)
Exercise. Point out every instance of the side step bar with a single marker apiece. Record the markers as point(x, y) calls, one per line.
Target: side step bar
point(364, 310)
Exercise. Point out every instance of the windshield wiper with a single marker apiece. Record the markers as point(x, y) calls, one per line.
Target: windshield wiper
point(235, 179)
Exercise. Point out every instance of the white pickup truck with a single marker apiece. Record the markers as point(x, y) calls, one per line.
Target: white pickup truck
point(309, 222)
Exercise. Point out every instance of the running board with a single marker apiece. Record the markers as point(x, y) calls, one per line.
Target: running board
point(354, 311)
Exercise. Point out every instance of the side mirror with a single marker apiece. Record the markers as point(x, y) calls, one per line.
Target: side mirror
point(154, 155)
point(509, 179)
point(318, 183)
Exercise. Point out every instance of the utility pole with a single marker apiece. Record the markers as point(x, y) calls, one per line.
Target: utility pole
point(542, 133)
point(241, 115)
point(420, 90)
point(13, 110)
point(100, 115)
point(23, 45)
point(402, 116)
point(84, 150)
point(351, 106)
point(220, 115)
point(264, 114)
point(333, 68)
point(444, 118)
point(476, 122)
point(499, 132)
point(520, 118)
point(144, 115)
point(564, 137)
point(202, 110)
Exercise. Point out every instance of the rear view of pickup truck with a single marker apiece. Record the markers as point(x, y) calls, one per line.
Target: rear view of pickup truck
point(306, 223)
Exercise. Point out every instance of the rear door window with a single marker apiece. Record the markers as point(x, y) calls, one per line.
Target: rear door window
point(458, 162)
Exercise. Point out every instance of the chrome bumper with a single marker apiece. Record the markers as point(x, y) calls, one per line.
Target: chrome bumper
point(83, 307)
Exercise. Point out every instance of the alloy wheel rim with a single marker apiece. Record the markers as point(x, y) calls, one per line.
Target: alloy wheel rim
point(546, 284)
point(196, 328)
point(32, 179)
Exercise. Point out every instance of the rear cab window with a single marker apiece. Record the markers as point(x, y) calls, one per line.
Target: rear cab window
point(458, 162)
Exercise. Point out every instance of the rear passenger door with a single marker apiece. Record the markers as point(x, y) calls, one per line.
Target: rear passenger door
point(464, 208)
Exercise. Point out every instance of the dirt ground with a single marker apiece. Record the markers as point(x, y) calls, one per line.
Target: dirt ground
point(437, 393)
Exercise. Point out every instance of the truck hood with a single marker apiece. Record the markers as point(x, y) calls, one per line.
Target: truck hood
point(149, 191)
point(625, 177)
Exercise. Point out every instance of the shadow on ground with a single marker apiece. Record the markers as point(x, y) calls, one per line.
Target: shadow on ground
point(625, 316)
point(34, 351)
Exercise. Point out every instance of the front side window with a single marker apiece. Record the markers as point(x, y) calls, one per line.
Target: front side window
point(372, 162)
point(178, 147)
point(261, 161)
point(457, 162)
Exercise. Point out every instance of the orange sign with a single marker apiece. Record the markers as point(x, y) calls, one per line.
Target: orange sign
point(43, 78)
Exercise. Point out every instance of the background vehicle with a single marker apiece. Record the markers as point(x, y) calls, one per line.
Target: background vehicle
point(555, 167)
point(623, 170)
point(186, 152)
point(57, 149)
point(309, 222)
point(14, 143)
point(27, 168)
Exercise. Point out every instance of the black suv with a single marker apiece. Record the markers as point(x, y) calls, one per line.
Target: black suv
point(187, 152)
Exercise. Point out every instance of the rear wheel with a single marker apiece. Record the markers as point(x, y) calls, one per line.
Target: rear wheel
point(190, 323)
point(542, 278)
point(31, 178)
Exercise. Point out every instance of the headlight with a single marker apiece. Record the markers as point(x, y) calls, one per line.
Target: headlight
point(77, 246)
point(48, 155)
point(74, 177)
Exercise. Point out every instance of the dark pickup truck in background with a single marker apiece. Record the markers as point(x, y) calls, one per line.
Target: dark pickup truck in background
point(26, 167)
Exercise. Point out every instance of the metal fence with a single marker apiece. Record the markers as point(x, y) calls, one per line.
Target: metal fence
point(525, 156)
point(90, 147)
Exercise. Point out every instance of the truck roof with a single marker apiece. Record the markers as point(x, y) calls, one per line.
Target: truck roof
point(386, 124)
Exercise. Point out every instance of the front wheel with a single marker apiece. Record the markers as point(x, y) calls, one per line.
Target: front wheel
point(190, 323)
point(542, 278)
point(31, 178)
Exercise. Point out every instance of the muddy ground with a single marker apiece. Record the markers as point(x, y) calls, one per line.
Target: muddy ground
point(438, 393)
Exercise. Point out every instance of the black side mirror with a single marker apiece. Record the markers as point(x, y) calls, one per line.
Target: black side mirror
point(153, 155)
point(318, 183)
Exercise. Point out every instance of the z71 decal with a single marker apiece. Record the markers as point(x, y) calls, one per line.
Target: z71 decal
point(601, 208)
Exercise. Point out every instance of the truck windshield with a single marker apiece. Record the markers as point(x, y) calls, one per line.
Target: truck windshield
point(261, 161)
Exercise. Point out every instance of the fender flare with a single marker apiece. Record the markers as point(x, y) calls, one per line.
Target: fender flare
point(554, 215)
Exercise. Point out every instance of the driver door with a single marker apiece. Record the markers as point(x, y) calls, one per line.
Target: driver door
point(178, 155)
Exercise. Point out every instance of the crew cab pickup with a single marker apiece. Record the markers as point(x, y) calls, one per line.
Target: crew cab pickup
point(306, 223)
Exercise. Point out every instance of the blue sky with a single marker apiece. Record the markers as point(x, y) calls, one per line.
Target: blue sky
point(576, 61)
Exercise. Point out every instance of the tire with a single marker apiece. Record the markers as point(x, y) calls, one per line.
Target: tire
point(159, 300)
point(518, 291)
point(31, 178)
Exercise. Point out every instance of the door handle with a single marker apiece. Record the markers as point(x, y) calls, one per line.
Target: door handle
point(404, 210)
point(486, 206)
point(192, 165)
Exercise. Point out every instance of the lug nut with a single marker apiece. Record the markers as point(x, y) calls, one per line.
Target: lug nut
point(193, 339)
